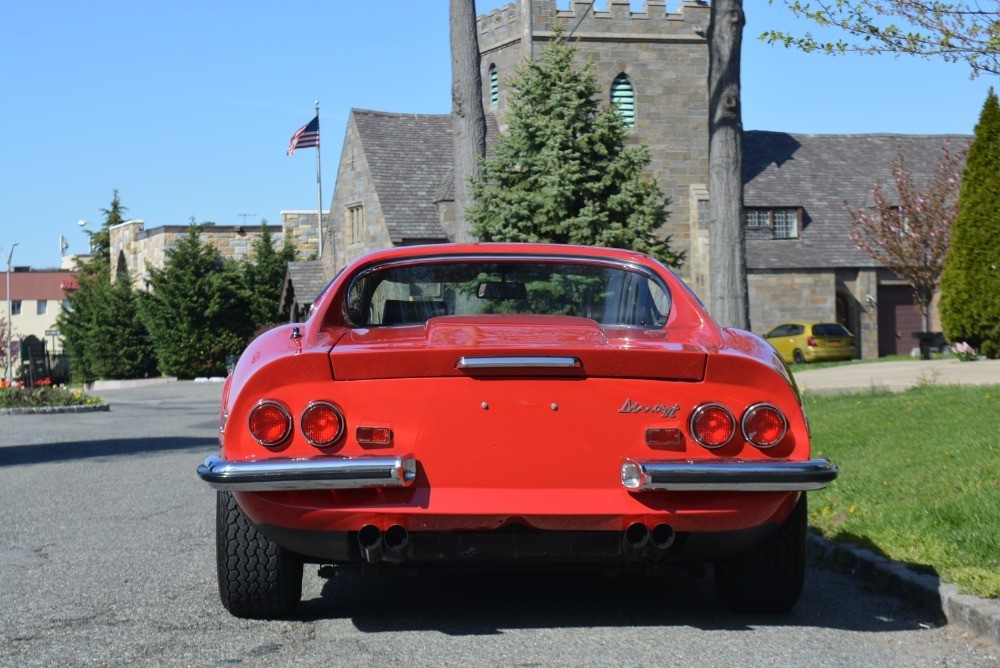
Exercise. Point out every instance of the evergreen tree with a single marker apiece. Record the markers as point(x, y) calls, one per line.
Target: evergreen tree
point(970, 285)
point(264, 276)
point(102, 331)
point(197, 313)
point(562, 172)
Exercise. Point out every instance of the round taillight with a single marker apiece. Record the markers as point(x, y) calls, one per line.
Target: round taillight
point(764, 426)
point(270, 423)
point(712, 425)
point(322, 424)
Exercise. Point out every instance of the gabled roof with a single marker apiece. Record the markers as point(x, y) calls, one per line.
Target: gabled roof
point(410, 158)
point(304, 280)
point(820, 173)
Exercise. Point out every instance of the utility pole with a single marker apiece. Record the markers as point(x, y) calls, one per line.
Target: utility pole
point(10, 326)
point(244, 216)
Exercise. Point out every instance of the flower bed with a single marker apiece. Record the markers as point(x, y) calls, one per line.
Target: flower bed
point(43, 394)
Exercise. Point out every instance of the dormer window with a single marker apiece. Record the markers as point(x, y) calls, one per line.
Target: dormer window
point(776, 223)
point(623, 97)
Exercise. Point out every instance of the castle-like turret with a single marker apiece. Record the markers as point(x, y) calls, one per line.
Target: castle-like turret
point(654, 64)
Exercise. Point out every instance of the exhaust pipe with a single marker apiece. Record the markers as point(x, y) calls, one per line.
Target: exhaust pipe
point(396, 539)
point(635, 539)
point(660, 539)
point(370, 541)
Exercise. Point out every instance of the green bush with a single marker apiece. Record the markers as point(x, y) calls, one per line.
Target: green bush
point(197, 312)
point(970, 285)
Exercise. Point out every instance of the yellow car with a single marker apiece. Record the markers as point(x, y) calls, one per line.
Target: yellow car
point(801, 342)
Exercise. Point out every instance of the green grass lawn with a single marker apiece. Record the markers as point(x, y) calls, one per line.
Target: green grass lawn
point(919, 478)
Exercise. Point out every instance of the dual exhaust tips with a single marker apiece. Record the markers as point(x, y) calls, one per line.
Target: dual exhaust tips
point(376, 545)
point(639, 542)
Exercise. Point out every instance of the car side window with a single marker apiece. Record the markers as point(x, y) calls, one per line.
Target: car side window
point(780, 330)
point(795, 330)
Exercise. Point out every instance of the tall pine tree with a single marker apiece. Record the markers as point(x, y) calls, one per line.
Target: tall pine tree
point(970, 284)
point(562, 173)
point(264, 275)
point(102, 331)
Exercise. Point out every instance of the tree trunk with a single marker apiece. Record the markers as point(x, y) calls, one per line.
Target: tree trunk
point(727, 244)
point(467, 116)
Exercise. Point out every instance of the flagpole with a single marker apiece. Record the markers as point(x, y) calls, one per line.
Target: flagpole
point(319, 195)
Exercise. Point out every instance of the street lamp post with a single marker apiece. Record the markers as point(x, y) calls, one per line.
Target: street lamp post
point(10, 325)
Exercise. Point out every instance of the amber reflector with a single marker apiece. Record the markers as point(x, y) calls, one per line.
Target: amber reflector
point(764, 426)
point(322, 424)
point(659, 438)
point(712, 425)
point(374, 436)
point(270, 423)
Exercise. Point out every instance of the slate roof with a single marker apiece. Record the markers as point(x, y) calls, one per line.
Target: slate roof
point(410, 159)
point(304, 280)
point(820, 173)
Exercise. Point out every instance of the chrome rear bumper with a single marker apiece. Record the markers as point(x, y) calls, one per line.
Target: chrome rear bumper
point(316, 473)
point(727, 476)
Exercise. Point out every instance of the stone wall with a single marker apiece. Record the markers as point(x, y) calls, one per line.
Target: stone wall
point(665, 55)
point(136, 250)
point(789, 296)
point(355, 187)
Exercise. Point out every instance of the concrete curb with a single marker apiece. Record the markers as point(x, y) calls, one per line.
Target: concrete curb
point(48, 410)
point(979, 615)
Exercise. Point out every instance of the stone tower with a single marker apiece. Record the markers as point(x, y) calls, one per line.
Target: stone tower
point(662, 57)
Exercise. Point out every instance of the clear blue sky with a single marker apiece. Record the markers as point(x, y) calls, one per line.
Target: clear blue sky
point(186, 107)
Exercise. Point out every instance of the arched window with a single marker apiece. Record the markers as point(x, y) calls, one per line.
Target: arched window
point(623, 97)
point(494, 87)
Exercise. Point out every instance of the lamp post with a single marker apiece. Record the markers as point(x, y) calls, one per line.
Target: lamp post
point(10, 325)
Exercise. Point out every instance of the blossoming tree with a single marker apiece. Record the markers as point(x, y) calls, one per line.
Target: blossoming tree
point(910, 235)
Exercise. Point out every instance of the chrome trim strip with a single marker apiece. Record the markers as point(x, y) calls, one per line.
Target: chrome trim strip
point(728, 475)
point(283, 473)
point(518, 361)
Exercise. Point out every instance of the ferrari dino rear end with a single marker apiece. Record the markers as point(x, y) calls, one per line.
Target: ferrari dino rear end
point(511, 404)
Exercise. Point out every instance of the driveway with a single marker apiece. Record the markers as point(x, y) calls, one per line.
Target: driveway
point(898, 376)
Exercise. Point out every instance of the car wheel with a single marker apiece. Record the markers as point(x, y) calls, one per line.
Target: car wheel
point(257, 577)
point(768, 577)
point(798, 357)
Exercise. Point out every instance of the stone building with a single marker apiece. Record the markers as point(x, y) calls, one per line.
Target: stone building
point(395, 183)
point(801, 262)
point(134, 249)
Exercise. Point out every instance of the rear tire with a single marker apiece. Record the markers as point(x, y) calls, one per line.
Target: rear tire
point(768, 577)
point(257, 578)
point(798, 357)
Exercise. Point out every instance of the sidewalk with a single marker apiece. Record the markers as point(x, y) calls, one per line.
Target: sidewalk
point(898, 376)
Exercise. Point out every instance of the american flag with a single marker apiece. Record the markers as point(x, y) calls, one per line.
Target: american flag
point(305, 137)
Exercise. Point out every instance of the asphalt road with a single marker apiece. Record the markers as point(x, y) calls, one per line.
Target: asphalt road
point(107, 558)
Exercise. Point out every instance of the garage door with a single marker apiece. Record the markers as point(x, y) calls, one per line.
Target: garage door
point(898, 318)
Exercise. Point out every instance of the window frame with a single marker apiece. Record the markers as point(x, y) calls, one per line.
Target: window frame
point(623, 82)
point(354, 215)
point(770, 221)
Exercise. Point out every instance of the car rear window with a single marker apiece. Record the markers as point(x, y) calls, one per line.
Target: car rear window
point(411, 293)
point(830, 330)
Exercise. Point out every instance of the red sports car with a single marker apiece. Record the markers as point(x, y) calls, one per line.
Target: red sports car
point(495, 403)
